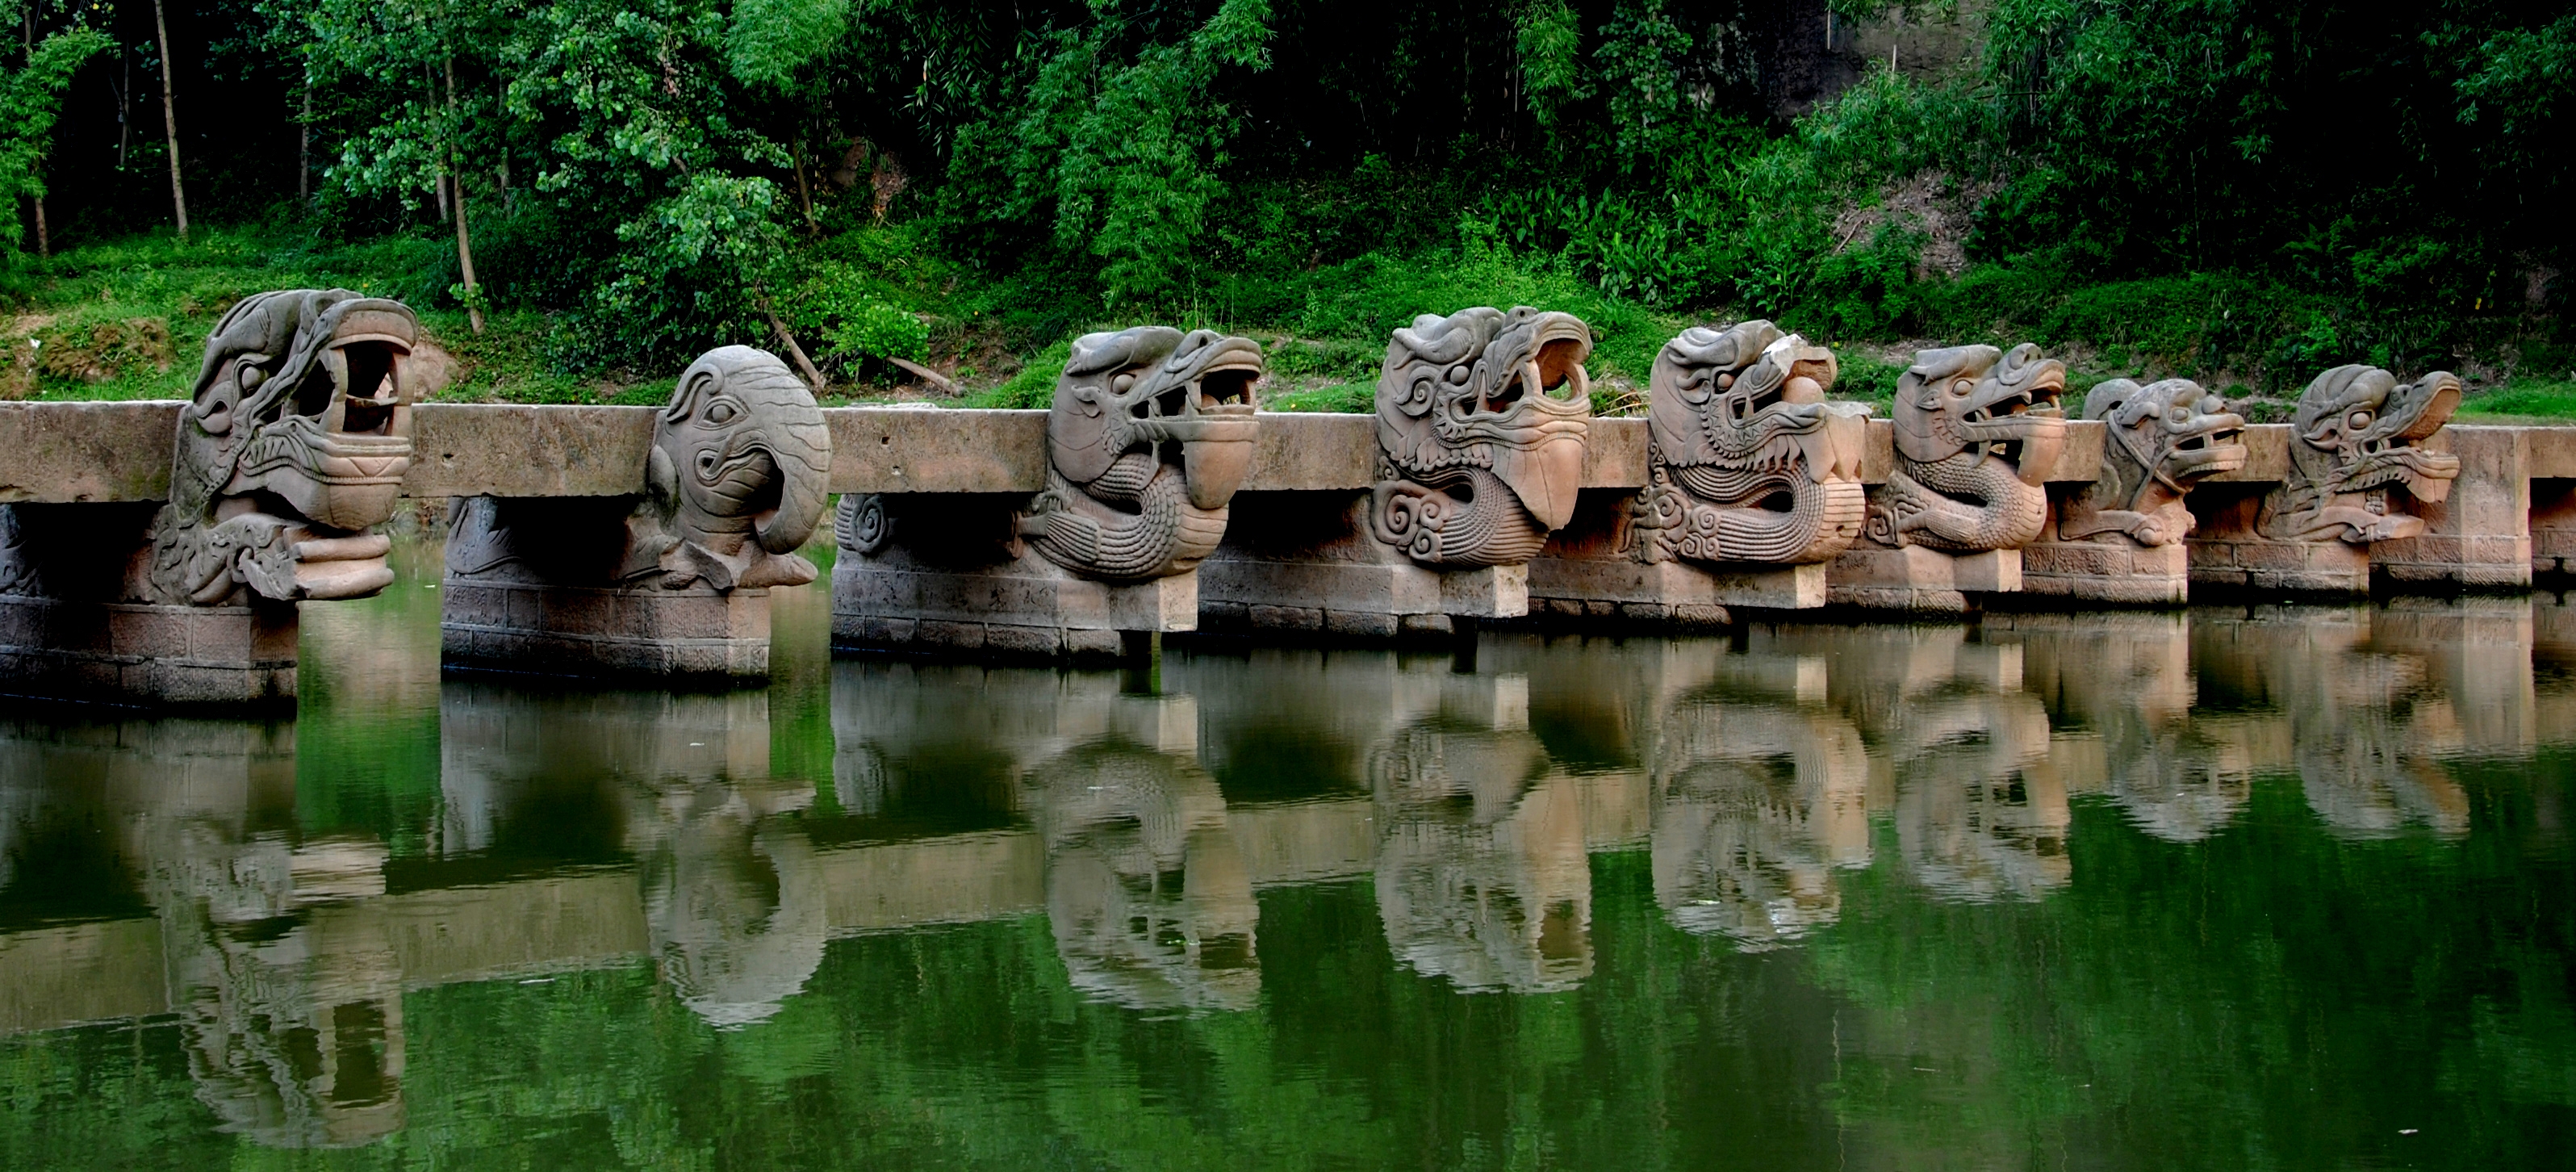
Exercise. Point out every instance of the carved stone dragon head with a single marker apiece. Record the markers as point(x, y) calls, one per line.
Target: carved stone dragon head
point(2163, 438)
point(296, 437)
point(737, 474)
point(1765, 468)
point(1980, 399)
point(1483, 395)
point(1150, 434)
point(2355, 434)
point(1977, 432)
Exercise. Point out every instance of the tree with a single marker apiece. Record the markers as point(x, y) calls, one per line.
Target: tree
point(30, 98)
point(170, 121)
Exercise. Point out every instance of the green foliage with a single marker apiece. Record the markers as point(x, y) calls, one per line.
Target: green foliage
point(1120, 154)
point(1034, 386)
point(768, 41)
point(30, 99)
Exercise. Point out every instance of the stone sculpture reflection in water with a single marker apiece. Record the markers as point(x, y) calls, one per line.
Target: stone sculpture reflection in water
point(266, 950)
point(1977, 432)
point(1741, 848)
point(672, 582)
point(1147, 891)
point(1482, 872)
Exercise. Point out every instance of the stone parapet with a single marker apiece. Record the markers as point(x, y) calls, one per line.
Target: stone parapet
point(2481, 534)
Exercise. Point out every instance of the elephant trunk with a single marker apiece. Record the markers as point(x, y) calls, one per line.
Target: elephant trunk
point(802, 451)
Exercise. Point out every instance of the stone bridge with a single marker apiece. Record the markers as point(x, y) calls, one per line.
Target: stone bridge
point(1154, 497)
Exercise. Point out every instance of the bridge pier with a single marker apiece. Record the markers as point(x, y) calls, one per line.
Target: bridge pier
point(671, 582)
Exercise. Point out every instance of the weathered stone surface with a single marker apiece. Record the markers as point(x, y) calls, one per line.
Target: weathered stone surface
point(585, 630)
point(1151, 433)
point(2358, 433)
point(1914, 578)
point(64, 452)
point(1481, 417)
point(2481, 532)
point(2267, 456)
point(1626, 584)
point(294, 443)
point(1977, 432)
point(2357, 455)
point(2108, 571)
point(472, 449)
point(2106, 541)
point(1302, 452)
point(148, 653)
point(2553, 523)
point(914, 450)
point(673, 581)
point(1750, 462)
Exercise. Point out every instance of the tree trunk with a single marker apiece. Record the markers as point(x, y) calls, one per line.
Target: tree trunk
point(124, 107)
point(170, 123)
point(304, 149)
point(805, 195)
point(813, 377)
point(464, 244)
point(44, 243)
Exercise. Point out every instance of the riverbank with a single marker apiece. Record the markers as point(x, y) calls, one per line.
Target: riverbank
point(125, 320)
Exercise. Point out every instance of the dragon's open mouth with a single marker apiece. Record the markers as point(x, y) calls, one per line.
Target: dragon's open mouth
point(1553, 368)
point(1228, 383)
point(2213, 443)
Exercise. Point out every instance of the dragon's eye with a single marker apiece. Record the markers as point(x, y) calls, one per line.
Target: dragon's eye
point(1458, 375)
point(1120, 384)
point(1963, 386)
point(2357, 420)
point(721, 412)
point(250, 377)
point(1724, 381)
point(2180, 414)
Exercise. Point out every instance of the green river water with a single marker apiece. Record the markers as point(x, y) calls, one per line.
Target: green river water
point(2220, 889)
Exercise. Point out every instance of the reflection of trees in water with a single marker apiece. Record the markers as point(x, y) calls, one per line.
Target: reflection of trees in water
point(1482, 872)
point(1756, 805)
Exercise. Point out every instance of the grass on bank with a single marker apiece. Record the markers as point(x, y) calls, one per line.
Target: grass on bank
point(128, 320)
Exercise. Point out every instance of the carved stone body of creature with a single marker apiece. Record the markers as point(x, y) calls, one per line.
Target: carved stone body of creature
point(2160, 439)
point(1750, 463)
point(734, 485)
point(1977, 430)
point(1150, 434)
point(2354, 436)
point(1481, 418)
point(295, 440)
